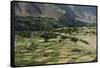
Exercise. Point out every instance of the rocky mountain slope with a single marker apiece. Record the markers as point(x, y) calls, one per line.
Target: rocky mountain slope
point(70, 14)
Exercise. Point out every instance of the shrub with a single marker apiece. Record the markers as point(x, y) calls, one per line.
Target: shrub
point(84, 41)
point(74, 39)
point(47, 36)
point(76, 50)
point(25, 34)
point(93, 32)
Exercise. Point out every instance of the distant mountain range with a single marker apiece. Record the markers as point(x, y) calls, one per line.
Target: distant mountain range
point(71, 15)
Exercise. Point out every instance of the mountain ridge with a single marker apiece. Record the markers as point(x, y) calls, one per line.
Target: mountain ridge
point(70, 15)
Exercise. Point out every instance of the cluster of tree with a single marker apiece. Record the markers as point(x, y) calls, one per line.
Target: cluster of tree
point(26, 25)
point(24, 34)
point(69, 30)
point(48, 35)
point(91, 32)
point(36, 23)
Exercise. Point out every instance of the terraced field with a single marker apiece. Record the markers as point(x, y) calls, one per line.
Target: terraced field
point(74, 47)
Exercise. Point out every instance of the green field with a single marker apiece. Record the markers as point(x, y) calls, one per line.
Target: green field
point(60, 45)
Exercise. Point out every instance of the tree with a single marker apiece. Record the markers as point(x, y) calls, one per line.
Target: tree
point(45, 36)
point(48, 35)
point(25, 34)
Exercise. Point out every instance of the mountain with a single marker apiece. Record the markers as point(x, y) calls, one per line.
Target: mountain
point(71, 15)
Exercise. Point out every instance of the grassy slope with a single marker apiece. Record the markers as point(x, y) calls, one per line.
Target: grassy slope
point(34, 51)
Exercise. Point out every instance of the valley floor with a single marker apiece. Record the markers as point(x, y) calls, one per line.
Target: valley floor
point(34, 51)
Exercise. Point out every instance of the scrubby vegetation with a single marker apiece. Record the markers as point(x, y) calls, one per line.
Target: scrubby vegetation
point(48, 41)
